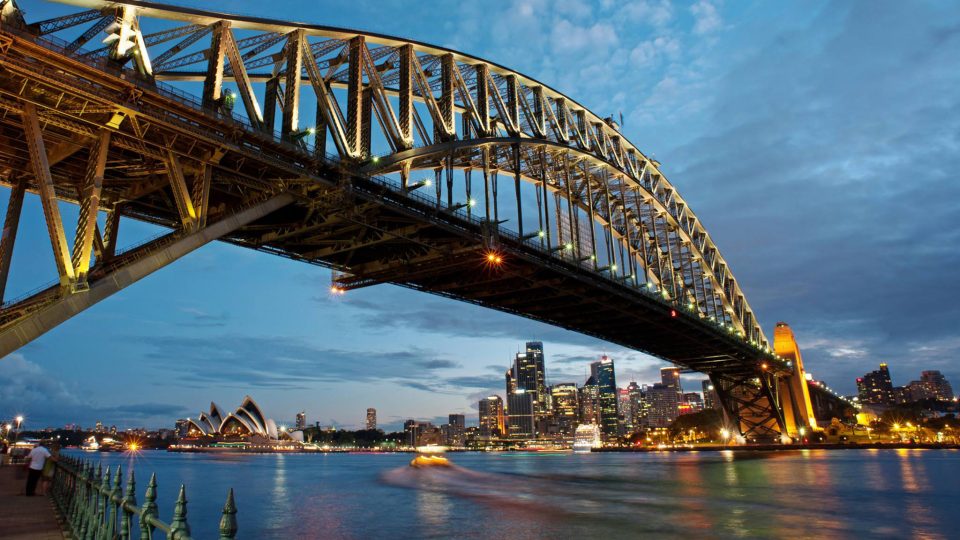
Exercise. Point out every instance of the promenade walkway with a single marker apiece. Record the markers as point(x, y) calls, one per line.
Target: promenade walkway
point(22, 517)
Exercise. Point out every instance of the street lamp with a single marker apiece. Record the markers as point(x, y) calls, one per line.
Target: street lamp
point(725, 433)
point(19, 420)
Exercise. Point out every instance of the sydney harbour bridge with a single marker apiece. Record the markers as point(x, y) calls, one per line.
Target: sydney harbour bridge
point(384, 159)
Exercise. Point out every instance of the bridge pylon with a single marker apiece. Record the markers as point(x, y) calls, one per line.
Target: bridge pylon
point(794, 393)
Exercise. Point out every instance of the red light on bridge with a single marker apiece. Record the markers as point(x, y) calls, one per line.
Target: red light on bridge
point(673, 313)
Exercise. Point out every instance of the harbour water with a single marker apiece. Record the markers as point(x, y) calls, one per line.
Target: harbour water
point(827, 494)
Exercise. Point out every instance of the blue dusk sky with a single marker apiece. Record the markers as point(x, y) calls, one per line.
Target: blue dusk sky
point(819, 142)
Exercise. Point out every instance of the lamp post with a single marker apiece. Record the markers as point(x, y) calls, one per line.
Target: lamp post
point(19, 420)
point(803, 431)
point(725, 433)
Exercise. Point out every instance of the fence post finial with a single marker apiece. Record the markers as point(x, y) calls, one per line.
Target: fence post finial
point(149, 509)
point(228, 523)
point(179, 527)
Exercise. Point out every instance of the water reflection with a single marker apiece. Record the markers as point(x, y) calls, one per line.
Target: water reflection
point(663, 495)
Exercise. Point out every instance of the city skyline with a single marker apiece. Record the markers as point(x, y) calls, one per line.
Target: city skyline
point(275, 331)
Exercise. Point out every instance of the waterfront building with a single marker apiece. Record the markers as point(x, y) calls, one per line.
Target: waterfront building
point(246, 421)
point(566, 407)
point(491, 417)
point(590, 403)
point(371, 422)
point(876, 387)
point(181, 427)
point(626, 411)
point(664, 405)
point(637, 410)
point(937, 385)
point(710, 398)
point(301, 420)
point(455, 430)
point(421, 433)
point(602, 372)
point(521, 409)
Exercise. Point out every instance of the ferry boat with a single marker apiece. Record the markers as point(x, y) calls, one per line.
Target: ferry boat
point(90, 445)
point(586, 438)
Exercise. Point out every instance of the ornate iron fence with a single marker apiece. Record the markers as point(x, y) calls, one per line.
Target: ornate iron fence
point(94, 505)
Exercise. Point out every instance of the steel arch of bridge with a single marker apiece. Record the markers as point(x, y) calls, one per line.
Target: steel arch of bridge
point(386, 108)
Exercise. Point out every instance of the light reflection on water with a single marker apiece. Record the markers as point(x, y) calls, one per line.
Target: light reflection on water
point(839, 494)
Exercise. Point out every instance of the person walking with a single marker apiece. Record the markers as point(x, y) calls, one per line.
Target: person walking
point(36, 459)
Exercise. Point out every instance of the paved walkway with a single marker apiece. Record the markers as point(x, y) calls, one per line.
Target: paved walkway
point(22, 517)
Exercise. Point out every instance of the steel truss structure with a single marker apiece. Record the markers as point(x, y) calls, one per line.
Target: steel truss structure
point(588, 235)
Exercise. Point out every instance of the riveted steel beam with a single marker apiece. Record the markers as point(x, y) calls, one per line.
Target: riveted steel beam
point(10, 226)
point(90, 191)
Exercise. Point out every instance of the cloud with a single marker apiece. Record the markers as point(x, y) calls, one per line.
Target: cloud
point(46, 400)
point(706, 17)
point(651, 51)
point(200, 318)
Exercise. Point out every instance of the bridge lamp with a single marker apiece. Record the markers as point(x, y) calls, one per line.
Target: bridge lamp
point(494, 258)
point(763, 366)
point(423, 183)
point(472, 203)
point(613, 267)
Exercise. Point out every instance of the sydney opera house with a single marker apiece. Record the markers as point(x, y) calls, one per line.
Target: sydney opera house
point(247, 421)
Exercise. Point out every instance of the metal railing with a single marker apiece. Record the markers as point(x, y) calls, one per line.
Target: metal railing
point(93, 504)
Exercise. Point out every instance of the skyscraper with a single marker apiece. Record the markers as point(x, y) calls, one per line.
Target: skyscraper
point(456, 429)
point(491, 417)
point(527, 377)
point(589, 403)
point(371, 423)
point(710, 399)
point(670, 376)
point(637, 412)
point(876, 386)
point(566, 406)
point(664, 401)
point(301, 420)
point(521, 415)
point(602, 372)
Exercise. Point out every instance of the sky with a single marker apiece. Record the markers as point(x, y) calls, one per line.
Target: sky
point(819, 143)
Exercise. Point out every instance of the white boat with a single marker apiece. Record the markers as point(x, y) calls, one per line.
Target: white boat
point(586, 438)
point(90, 445)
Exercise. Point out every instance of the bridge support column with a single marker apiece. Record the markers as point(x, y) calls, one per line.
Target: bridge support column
point(32, 317)
point(750, 404)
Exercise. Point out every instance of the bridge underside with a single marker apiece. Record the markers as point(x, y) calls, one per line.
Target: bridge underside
point(71, 131)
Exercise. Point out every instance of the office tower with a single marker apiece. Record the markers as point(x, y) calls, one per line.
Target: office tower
point(456, 429)
point(670, 376)
point(602, 372)
point(301, 420)
point(634, 396)
point(566, 407)
point(710, 399)
point(491, 417)
point(530, 376)
point(371, 423)
point(876, 386)
point(664, 401)
point(626, 411)
point(590, 403)
point(520, 415)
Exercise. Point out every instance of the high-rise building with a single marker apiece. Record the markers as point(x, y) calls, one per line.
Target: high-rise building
point(566, 407)
point(876, 386)
point(527, 376)
point(371, 422)
point(301, 420)
point(590, 402)
point(455, 430)
point(602, 372)
point(710, 398)
point(521, 415)
point(670, 376)
point(626, 411)
point(638, 412)
point(664, 405)
point(937, 384)
point(491, 417)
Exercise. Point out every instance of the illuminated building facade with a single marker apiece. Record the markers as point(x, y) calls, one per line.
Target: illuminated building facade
point(491, 417)
point(565, 399)
point(664, 405)
point(710, 399)
point(937, 385)
point(876, 387)
point(246, 421)
point(602, 372)
point(371, 422)
point(521, 415)
point(301, 420)
point(589, 403)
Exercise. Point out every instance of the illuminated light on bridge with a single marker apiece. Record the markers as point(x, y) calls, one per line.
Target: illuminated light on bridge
point(550, 186)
